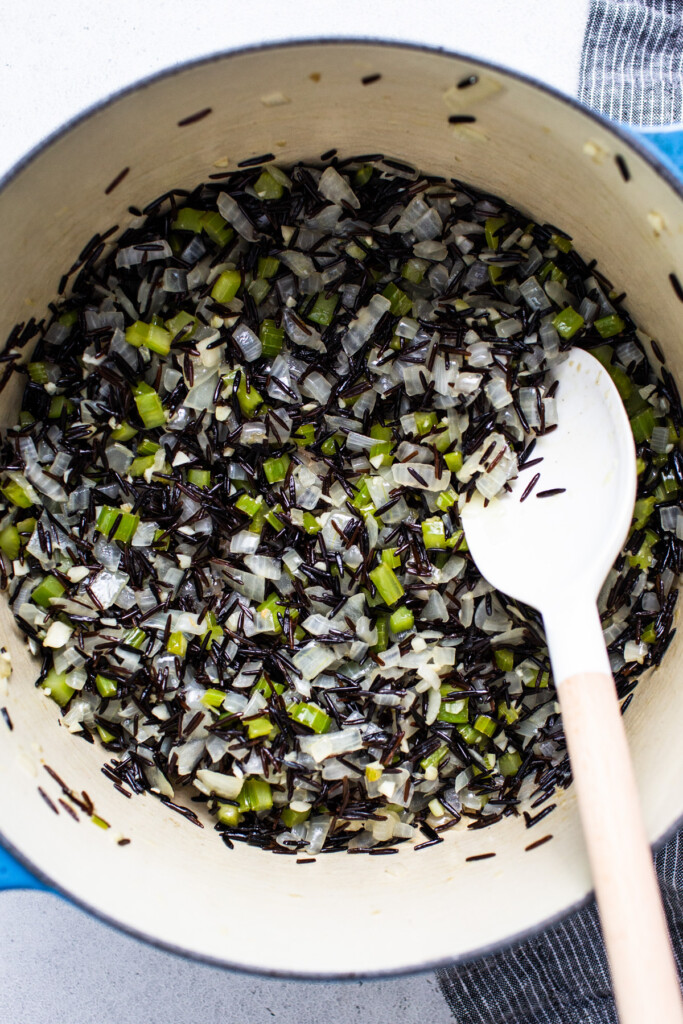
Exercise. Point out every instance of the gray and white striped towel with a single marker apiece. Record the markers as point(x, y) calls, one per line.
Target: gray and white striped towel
point(632, 72)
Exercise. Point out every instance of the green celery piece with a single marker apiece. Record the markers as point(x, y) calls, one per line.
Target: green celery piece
point(668, 486)
point(642, 511)
point(311, 524)
point(649, 635)
point(382, 627)
point(485, 725)
point(135, 637)
point(38, 373)
point(505, 659)
point(213, 630)
point(15, 493)
point(255, 796)
point(290, 818)
point(266, 187)
point(147, 447)
point(453, 461)
point(267, 266)
point(609, 326)
point(604, 354)
point(643, 424)
point(10, 542)
point(106, 687)
point(69, 318)
point(508, 714)
point(391, 558)
point(229, 815)
point(265, 687)
point(414, 270)
point(446, 499)
point(401, 619)
point(304, 435)
point(387, 584)
point(127, 525)
point(199, 477)
point(258, 290)
point(562, 243)
point(621, 381)
point(509, 763)
point(180, 322)
point(434, 759)
point(271, 338)
point(212, 698)
point(48, 589)
point(567, 322)
point(217, 228)
point(362, 175)
point(323, 309)
point(261, 726)
point(276, 469)
point(453, 711)
point(57, 404)
point(311, 716)
point(156, 338)
point(139, 466)
point(123, 433)
point(56, 686)
point(149, 406)
point(469, 734)
point(273, 519)
point(226, 286)
point(491, 229)
point(434, 533)
point(177, 644)
point(188, 219)
point(401, 304)
point(458, 541)
point(249, 399)
point(425, 422)
point(104, 734)
point(250, 506)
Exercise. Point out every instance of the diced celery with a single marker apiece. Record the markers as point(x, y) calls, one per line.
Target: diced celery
point(453, 711)
point(47, 590)
point(642, 511)
point(140, 466)
point(509, 763)
point(261, 726)
point(401, 619)
point(156, 338)
point(149, 405)
point(643, 424)
point(425, 421)
point(249, 399)
point(290, 818)
point(508, 714)
point(304, 435)
point(311, 716)
point(179, 322)
point(38, 373)
point(485, 725)
point(177, 644)
point(643, 557)
point(266, 688)
point(217, 228)
point(56, 686)
point(199, 477)
point(505, 659)
point(123, 433)
point(214, 631)
point(434, 759)
point(212, 698)
point(323, 309)
point(387, 584)
point(228, 814)
point(434, 533)
point(391, 558)
point(267, 266)
point(226, 286)
point(10, 542)
point(401, 304)
point(127, 525)
point(135, 637)
point(266, 187)
point(311, 523)
point(15, 493)
point(363, 175)
point(413, 270)
point(446, 499)
point(276, 469)
point(57, 404)
point(255, 796)
point(649, 635)
point(188, 219)
point(106, 687)
point(104, 734)
point(567, 322)
point(608, 326)
point(271, 338)
point(491, 229)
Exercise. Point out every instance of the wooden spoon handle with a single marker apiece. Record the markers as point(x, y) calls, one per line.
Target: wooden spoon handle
point(634, 928)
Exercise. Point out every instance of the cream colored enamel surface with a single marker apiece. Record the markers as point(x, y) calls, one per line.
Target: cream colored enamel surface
point(177, 883)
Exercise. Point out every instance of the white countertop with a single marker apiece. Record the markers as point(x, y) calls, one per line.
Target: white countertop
point(58, 965)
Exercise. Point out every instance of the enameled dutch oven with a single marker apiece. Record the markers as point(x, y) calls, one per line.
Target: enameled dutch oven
point(174, 884)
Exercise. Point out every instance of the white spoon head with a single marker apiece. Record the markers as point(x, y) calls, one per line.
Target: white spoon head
point(531, 549)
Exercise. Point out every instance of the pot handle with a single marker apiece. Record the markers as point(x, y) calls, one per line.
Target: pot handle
point(14, 875)
point(666, 144)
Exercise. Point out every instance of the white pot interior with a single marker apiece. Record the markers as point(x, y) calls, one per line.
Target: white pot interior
point(177, 884)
